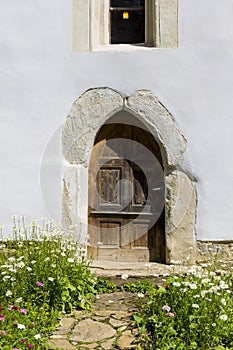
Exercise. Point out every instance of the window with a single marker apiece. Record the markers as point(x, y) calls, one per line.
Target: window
point(99, 24)
point(127, 21)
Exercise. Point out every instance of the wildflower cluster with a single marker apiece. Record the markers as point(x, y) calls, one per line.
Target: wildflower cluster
point(191, 311)
point(43, 271)
point(18, 327)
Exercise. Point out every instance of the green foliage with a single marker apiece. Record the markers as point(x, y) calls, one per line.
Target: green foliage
point(43, 271)
point(193, 311)
point(138, 287)
point(105, 286)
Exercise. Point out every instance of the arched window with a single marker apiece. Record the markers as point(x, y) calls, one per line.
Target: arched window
point(99, 24)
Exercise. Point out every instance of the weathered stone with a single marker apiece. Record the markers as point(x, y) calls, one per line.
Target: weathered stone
point(99, 318)
point(104, 313)
point(58, 336)
point(66, 324)
point(108, 345)
point(125, 340)
point(89, 331)
point(121, 314)
point(79, 313)
point(116, 323)
point(168, 18)
point(92, 109)
point(88, 113)
point(161, 124)
point(89, 346)
point(180, 216)
point(220, 249)
point(61, 344)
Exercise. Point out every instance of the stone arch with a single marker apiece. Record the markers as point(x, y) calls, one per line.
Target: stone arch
point(95, 106)
point(88, 113)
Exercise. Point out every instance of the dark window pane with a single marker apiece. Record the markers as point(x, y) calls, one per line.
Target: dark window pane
point(127, 3)
point(127, 30)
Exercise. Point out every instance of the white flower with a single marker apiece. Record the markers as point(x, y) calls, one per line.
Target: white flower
point(223, 317)
point(33, 262)
point(176, 284)
point(20, 264)
point(53, 266)
point(47, 259)
point(18, 300)
point(29, 268)
point(20, 326)
point(213, 324)
point(9, 293)
point(51, 279)
point(217, 278)
point(205, 280)
point(223, 285)
point(223, 301)
point(11, 259)
point(140, 295)
point(203, 293)
point(37, 336)
point(63, 254)
point(193, 286)
point(70, 260)
point(208, 299)
point(124, 276)
point(6, 277)
point(196, 306)
point(12, 270)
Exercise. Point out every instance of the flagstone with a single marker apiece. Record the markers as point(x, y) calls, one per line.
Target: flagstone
point(90, 331)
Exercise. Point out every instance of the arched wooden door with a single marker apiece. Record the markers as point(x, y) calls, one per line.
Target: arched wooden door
point(126, 196)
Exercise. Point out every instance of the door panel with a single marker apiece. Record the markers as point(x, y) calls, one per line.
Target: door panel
point(113, 240)
point(108, 186)
point(120, 214)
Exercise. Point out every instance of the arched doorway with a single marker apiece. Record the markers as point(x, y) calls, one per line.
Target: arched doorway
point(85, 132)
point(126, 193)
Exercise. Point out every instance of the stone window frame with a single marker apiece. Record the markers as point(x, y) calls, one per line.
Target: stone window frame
point(88, 114)
point(91, 25)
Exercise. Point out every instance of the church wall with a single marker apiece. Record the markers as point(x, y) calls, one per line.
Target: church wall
point(41, 77)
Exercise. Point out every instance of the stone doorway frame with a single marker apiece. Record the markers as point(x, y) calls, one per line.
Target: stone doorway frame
point(88, 113)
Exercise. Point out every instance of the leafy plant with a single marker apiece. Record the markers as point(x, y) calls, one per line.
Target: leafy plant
point(193, 311)
point(138, 287)
point(43, 271)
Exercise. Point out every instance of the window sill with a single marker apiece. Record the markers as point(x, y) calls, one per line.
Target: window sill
point(123, 47)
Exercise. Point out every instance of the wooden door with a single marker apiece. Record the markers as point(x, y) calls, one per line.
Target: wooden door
point(120, 215)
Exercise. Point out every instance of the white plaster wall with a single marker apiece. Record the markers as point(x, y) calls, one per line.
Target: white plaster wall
point(41, 77)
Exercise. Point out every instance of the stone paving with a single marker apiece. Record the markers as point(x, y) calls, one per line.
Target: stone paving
point(110, 324)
